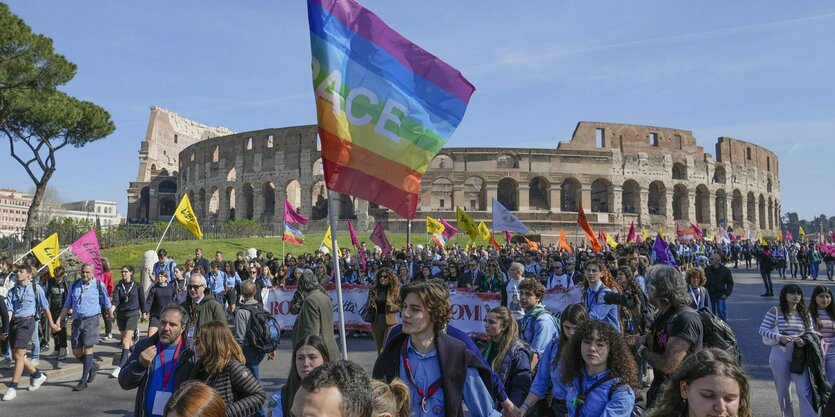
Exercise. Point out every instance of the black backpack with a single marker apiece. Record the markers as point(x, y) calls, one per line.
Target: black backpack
point(264, 330)
point(717, 334)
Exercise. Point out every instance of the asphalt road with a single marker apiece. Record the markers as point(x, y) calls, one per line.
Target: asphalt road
point(104, 397)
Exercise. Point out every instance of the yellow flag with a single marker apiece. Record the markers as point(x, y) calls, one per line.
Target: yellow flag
point(661, 233)
point(802, 232)
point(611, 241)
point(185, 215)
point(644, 233)
point(433, 226)
point(47, 250)
point(326, 241)
point(483, 231)
point(762, 240)
point(465, 222)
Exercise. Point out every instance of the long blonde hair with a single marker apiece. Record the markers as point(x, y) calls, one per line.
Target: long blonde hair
point(219, 347)
point(392, 398)
point(510, 332)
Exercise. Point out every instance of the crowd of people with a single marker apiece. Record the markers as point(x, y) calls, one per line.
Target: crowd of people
point(635, 342)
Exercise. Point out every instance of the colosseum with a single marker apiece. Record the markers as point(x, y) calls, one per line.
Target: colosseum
point(654, 176)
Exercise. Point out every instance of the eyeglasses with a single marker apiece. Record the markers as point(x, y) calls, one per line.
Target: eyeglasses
point(592, 271)
point(125, 271)
point(253, 271)
point(194, 287)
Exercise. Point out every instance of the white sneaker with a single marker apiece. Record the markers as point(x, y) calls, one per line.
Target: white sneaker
point(37, 382)
point(108, 337)
point(115, 373)
point(10, 394)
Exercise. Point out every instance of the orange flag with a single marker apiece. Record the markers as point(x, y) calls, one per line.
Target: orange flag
point(564, 242)
point(493, 242)
point(531, 244)
point(584, 224)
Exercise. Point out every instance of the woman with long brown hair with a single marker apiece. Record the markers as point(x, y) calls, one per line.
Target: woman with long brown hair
point(507, 355)
point(383, 299)
point(221, 366)
point(309, 353)
point(195, 399)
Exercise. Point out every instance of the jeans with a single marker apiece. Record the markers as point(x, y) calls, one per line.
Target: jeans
point(830, 269)
point(718, 307)
point(813, 270)
point(36, 344)
point(794, 269)
point(766, 275)
point(253, 359)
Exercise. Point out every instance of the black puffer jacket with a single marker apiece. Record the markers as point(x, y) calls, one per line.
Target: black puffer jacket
point(810, 357)
point(239, 389)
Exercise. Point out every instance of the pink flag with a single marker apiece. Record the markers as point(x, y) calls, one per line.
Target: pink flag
point(356, 243)
point(697, 230)
point(291, 215)
point(507, 236)
point(639, 239)
point(632, 233)
point(733, 236)
point(378, 236)
point(87, 250)
point(601, 236)
point(449, 230)
point(617, 237)
point(789, 235)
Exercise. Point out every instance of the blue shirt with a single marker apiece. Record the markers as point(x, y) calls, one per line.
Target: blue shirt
point(167, 266)
point(231, 280)
point(426, 369)
point(547, 374)
point(215, 280)
point(597, 402)
point(84, 299)
point(21, 300)
point(157, 376)
point(539, 330)
point(599, 310)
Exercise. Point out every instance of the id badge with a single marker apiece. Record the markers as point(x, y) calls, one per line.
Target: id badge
point(190, 334)
point(160, 399)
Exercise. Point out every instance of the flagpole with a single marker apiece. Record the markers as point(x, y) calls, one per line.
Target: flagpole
point(50, 261)
point(163, 233)
point(21, 257)
point(408, 235)
point(338, 277)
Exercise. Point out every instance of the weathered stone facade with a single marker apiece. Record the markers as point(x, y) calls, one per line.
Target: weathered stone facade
point(622, 173)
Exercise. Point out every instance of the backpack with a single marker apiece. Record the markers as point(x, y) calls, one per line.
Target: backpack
point(637, 410)
point(717, 333)
point(264, 330)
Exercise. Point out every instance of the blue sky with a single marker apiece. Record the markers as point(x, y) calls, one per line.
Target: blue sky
point(757, 71)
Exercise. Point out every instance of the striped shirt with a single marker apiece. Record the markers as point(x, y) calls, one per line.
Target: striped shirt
point(786, 326)
point(826, 327)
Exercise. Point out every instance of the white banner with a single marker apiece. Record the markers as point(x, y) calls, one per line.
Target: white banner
point(469, 308)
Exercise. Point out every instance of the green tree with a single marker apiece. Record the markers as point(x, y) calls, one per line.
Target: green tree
point(37, 119)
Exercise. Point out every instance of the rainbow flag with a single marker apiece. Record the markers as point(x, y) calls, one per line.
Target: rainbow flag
point(385, 105)
point(292, 235)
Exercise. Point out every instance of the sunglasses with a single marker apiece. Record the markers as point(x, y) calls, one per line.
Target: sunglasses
point(194, 287)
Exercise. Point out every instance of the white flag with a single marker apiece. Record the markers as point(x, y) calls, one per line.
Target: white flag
point(503, 219)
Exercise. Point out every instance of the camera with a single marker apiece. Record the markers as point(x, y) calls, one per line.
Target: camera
point(625, 299)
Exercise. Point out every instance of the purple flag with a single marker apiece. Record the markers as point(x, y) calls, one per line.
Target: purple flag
point(662, 251)
point(632, 233)
point(449, 230)
point(507, 236)
point(291, 215)
point(86, 249)
point(378, 236)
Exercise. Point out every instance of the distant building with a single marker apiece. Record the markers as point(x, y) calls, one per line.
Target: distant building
point(14, 207)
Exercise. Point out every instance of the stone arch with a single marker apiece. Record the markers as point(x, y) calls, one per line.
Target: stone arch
point(631, 197)
point(319, 201)
point(230, 198)
point(247, 207)
point(720, 206)
point(679, 171)
point(167, 187)
point(345, 206)
point(736, 208)
point(318, 168)
point(231, 175)
point(293, 191)
point(268, 194)
point(719, 175)
point(570, 190)
point(681, 202)
point(214, 202)
point(507, 161)
point(475, 193)
point(167, 205)
point(163, 172)
point(442, 194)
point(153, 168)
point(442, 161)
point(657, 202)
point(200, 206)
point(770, 214)
point(768, 186)
point(602, 196)
point(539, 194)
point(750, 216)
point(508, 193)
point(762, 212)
point(702, 204)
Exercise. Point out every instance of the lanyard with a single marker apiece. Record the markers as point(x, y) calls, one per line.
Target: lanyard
point(126, 292)
point(429, 391)
point(21, 294)
point(693, 295)
point(166, 376)
point(592, 301)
